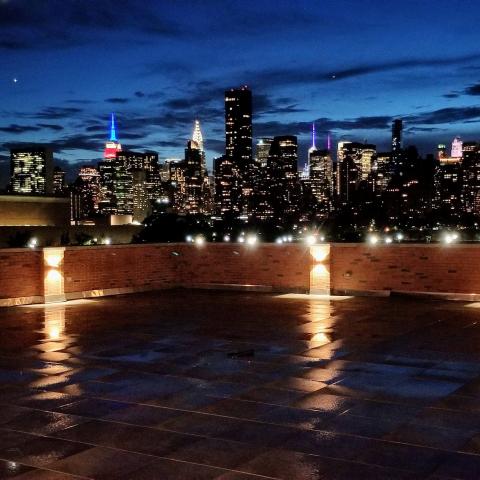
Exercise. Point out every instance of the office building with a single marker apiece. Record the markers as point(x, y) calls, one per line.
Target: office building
point(31, 170)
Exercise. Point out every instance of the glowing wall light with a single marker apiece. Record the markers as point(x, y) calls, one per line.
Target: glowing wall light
point(53, 286)
point(320, 270)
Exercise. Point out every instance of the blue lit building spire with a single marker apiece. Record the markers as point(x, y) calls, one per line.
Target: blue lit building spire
point(313, 137)
point(113, 133)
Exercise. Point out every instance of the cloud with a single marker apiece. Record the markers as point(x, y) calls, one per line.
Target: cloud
point(309, 75)
point(56, 113)
point(64, 23)
point(473, 90)
point(18, 129)
point(117, 100)
point(50, 126)
point(446, 115)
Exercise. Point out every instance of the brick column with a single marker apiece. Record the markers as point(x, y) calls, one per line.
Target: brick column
point(53, 281)
point(320, 269)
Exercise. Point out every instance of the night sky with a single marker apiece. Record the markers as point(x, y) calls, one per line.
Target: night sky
point(348, 65)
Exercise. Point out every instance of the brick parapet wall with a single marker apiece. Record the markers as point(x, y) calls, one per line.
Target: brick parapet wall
point(149, 267)
point(341, 268)
point(405, 268)
point(21, 273)
point(282, 267)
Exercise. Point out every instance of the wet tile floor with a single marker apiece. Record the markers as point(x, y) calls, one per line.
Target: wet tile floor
point(232, 386)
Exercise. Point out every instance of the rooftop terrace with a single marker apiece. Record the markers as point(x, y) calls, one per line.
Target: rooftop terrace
point(201, 385)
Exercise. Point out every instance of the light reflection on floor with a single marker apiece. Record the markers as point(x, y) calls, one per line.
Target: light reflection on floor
point(238, 386)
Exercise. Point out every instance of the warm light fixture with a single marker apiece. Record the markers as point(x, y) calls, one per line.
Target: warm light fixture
point(252, 240)
point(310, 239)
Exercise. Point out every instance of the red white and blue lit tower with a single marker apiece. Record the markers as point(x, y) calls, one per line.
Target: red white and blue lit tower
point(112, 146)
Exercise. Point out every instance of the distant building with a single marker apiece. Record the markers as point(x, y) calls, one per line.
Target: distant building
point(457, 150)
point(194, 179)
point(107, 170)
point(238, 126)
point(354, 165)
point(448, 186)
point(263, 150)
point(238, 144)
point(471, 177)
point(227, 186)
point(85, 195)
point(283, 179)
point(31, 170)
point(321, 178)
point(59, 182)
point(397, 132)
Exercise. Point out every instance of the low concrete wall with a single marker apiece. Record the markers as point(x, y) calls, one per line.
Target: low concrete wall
point(57, 274)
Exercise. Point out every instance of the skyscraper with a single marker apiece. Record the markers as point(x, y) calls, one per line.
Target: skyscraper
point(234, 172)
point(238, 126)
point(85, 195)
point(311, 150)
point(31, 170)
point(59, 183)
point(397, 130)
point(283, 176)
point(471, 177)
point(194, 179)
point(457, 150)
point(321, 179)
point(197, 137)
point(354, 165)
point(107, 170)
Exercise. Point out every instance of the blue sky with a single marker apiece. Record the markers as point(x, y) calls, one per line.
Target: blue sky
point(349, 65)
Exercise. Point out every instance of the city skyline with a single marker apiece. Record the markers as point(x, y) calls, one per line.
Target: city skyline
point(54, 88)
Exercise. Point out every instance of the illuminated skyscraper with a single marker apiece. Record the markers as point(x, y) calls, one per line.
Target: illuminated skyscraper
point(448, 186)
point(237, 165)
point(354, 165)
point(85, 195)
point(321, 178)
point(238, 126)
point(457, 150)
point(471, 177)
point(59, 183)
point(283, 176)
point(112, 146)
point(197, 136)
point(306, 170)
point(194, 179)
point(263, 149)
point(31, 170)
point(397, 129)
point(107, 170)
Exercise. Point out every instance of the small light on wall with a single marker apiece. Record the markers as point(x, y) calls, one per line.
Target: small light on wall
point(252, 240)
point(226, 238)
point(450, 237)
point(279, 240)
point(372, 239)
point(189, 238)
point(107, 241)
point(388, 240)
point(310, 240)
point(53, 260)
point(399, 237)
point(33, 242)
point(199, 240)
